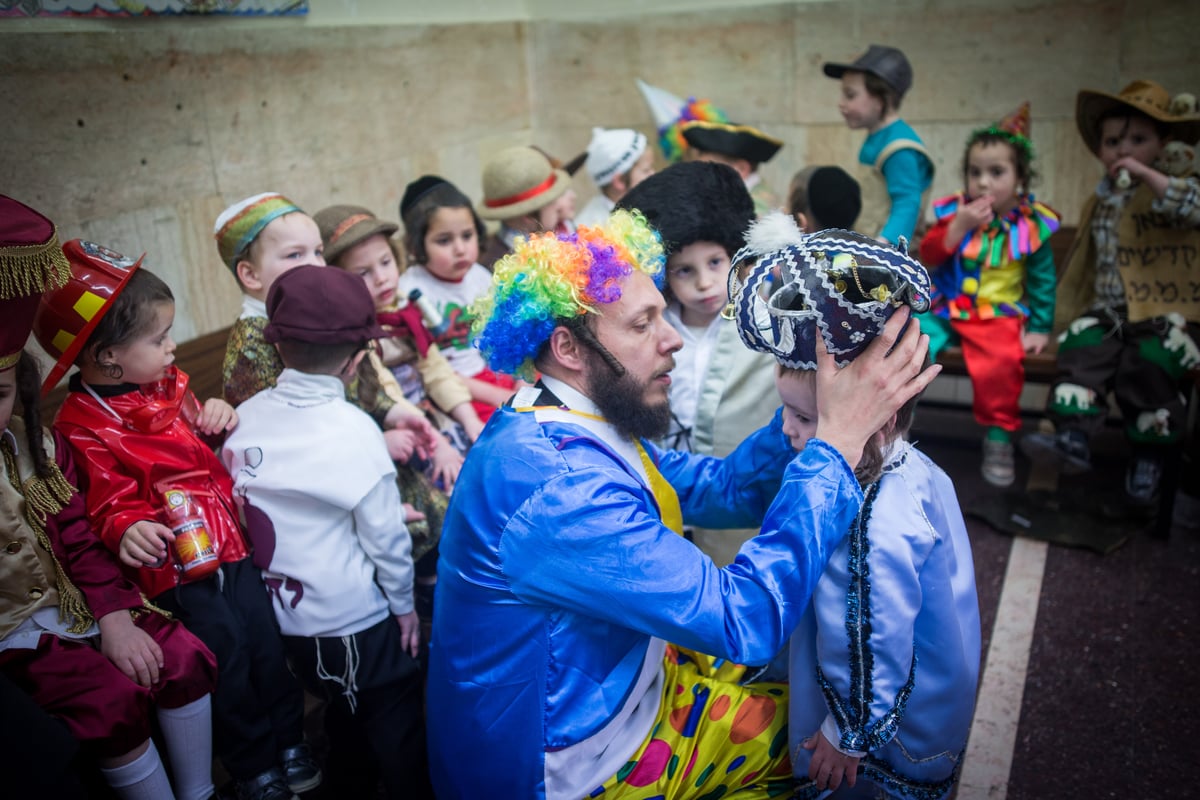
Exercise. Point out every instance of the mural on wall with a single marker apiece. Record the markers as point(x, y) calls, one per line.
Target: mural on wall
point(149, 8)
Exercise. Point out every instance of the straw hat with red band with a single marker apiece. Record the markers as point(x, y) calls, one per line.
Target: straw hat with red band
point(67, 316)
point(519, 181)
point(1146, 97)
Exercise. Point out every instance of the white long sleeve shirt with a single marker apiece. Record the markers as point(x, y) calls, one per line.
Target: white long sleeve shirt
point(318, 490)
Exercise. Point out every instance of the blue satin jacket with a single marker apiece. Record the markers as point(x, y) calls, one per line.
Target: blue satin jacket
point(885, 661)
point(558, 585)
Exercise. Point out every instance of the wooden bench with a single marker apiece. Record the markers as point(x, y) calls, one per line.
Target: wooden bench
point(1039, 368)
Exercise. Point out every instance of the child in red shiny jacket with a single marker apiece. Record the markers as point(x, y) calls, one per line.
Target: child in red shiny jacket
point(141, 438)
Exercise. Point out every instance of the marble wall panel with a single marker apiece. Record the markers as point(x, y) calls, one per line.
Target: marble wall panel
point(137, 135)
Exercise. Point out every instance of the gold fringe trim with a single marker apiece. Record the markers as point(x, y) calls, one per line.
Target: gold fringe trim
point(44, 497)
point(33, 269)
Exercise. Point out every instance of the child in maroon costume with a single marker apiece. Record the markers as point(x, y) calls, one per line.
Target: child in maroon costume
point(75, 635)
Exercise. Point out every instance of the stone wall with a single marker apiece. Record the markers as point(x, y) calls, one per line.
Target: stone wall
point(137, 133)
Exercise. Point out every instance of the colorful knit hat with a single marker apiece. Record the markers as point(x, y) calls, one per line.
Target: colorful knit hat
point(239, 225)
point(552, 278)
point(31, 261)
point(67, 315)
point(671, 113)
point(837, 284)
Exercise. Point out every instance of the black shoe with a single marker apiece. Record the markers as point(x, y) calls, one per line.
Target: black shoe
point(1142, 479)
point(1067, 450)
point(270, 785)
point(300, 769)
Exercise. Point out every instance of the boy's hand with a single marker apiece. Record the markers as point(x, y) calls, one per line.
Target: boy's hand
point(410, 632)
point(401, 445)
point(144, 544)
point(129, 648)
point(447, 463)
point(424, 437)
point(1034, 342)
point(829, 766)
point(1140, 173)
point(216, 416)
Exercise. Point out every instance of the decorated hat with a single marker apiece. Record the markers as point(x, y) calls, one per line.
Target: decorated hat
point(671, 113)
point(1013, 127)
point(519, 181)
point(735, 141)
point(342, 227)
point(1016, 121)
point(836, 284)
point(1146, 97)
point(551, 279)
point(31, 261)
point(239, 225)
point(320, 305)
point(613, 152)
point(881, 61)
point(67, 315)
point(694, 201)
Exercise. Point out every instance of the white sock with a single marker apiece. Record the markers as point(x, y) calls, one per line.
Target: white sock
point(188, 734)
point(144, 778)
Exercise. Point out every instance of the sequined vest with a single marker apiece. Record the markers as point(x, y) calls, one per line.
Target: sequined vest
point(28, 577)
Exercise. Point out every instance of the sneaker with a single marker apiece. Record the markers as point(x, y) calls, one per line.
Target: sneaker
point(270, 785)
point(300, 768)
point(1067, 450)
point(998, 468)
point(1142, 479)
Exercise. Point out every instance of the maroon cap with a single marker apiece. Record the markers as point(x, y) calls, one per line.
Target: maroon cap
point(321, 305)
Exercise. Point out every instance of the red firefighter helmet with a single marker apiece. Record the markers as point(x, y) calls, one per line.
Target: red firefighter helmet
point(67, 316)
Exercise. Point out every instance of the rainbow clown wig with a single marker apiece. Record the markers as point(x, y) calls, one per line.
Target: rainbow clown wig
point(552, 279)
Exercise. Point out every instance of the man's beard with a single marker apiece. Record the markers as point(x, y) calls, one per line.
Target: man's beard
point(621, 400)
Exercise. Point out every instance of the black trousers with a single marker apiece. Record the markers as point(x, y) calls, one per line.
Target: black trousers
point(374, 715)
point(258, 706)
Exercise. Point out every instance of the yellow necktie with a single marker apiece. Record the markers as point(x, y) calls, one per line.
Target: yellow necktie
point(664, 493)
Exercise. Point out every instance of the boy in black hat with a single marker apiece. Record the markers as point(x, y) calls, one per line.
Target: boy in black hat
point(872, 88)
point(739, 146)
point(318, 490)
point(720, 391)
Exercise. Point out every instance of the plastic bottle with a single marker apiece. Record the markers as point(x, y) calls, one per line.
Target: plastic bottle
point(433, 320)
point(195, 555)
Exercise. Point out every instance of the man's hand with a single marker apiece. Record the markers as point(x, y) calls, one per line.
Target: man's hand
point(130, 648)
point(858, 400)
point(829, 766)
point(144, 544)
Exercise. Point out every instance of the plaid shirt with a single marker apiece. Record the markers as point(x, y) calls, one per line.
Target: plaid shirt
point(1181, 201)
